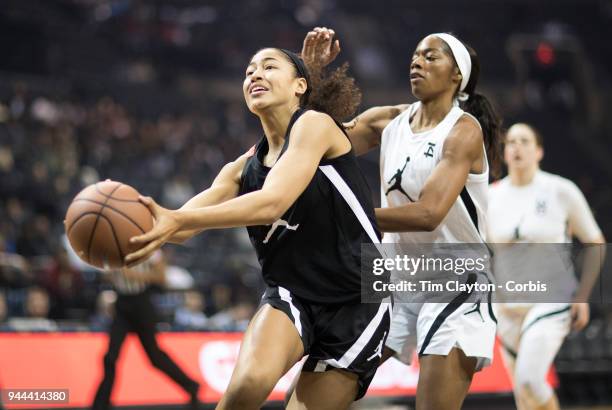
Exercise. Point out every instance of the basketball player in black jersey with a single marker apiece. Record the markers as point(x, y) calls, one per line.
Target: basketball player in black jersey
point(293, 191)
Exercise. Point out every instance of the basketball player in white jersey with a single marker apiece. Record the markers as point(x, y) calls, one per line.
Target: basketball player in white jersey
point(530, 205)
point(434, 180)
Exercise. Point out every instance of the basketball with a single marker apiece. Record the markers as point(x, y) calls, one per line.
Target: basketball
point(101, 220)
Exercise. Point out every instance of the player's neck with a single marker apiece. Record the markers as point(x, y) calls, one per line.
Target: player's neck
point(432, 113)
point(521, 177)
point(274, 124)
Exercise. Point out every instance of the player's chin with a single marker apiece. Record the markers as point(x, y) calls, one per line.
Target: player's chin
point(257, 105)
point(518, 164)
point(417, 91)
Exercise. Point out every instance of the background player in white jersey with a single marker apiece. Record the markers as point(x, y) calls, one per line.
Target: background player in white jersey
point(530, 205)
point(434, 178)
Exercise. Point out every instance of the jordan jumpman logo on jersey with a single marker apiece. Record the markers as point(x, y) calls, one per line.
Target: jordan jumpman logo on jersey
point(280, 222)
point(398, 181)
point(476, 309)
point(378, 350)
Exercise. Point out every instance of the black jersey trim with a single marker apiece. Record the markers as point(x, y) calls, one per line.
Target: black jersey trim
point(471, 208)
point(508, 349)
point(353, 203)
point(469, 205)
point(490, 300)
point(446, 312)
point(547, 315)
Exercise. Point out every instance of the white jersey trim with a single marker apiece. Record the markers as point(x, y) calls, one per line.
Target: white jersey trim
point(285, 295)
point(351, 354)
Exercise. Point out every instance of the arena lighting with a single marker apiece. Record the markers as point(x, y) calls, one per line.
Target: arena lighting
point(545, 54)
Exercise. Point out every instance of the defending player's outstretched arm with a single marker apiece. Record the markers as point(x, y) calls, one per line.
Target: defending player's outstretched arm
point(320, 48)
point(310, 142)
point(365, 130)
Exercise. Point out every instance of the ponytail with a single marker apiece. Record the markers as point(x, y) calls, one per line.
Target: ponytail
point(480, 107)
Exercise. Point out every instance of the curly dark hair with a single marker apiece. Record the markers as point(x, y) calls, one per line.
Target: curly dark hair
point(334, 93)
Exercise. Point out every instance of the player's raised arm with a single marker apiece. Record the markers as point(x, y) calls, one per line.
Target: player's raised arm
point(320, 48)
point(365, 130)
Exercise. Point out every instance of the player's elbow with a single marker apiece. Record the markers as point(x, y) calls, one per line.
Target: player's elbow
point(429, 226)
point(266, 218)
point(271, 212)
point(431, 219)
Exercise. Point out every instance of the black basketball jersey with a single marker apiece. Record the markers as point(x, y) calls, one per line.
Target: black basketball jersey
point(314, 249)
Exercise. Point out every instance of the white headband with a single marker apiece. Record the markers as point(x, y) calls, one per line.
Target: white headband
point(462, 57)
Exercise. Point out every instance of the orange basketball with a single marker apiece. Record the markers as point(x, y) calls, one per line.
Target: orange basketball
point(101, 220)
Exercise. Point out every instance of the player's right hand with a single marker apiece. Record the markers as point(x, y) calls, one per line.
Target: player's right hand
point(319, 48)
point(166, 225)
point(580, 313)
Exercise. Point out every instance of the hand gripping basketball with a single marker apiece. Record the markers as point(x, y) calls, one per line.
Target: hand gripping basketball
point(166, 225)
point(100, 221)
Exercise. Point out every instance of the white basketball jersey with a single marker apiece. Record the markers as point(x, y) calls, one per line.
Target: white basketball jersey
point(407, 159)
point(545, 211)
point(539, 212)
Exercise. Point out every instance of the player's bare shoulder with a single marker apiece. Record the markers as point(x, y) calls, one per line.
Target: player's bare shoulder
point(400, 109)
point(234, 169)
point(466, 131)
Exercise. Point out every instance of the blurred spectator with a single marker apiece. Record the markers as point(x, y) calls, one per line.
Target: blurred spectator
point(36, 313)
point(105, 311)
point(235, 318)
point(37, 303)
point(191, 315)
point(19, 101)
point(64, 282)
point(14, 269)
point(177, 191)
point(36, 237)
point(178, 278)
point(221, 297)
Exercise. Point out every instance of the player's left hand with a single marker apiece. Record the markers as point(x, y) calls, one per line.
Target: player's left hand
point(320, 48)
point(166, 225)
point(580, 313)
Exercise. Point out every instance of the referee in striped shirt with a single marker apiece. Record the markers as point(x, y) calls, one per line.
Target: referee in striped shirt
point(134, 312)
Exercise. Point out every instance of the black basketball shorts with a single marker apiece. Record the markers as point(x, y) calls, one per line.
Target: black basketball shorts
point(350, 337)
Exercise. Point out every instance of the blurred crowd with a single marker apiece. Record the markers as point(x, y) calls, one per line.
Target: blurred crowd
point(149, 94)
point(52, 148)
